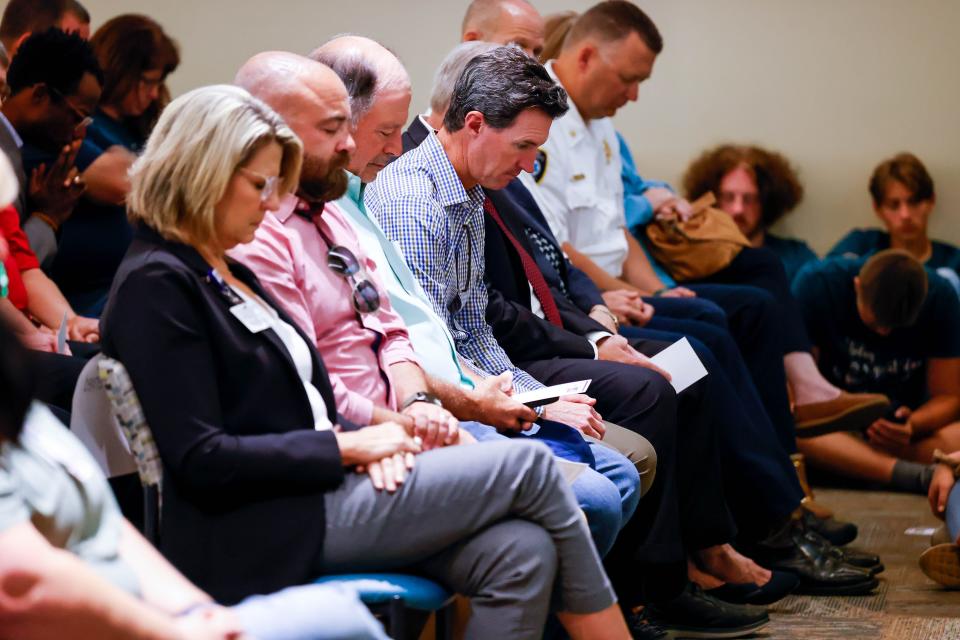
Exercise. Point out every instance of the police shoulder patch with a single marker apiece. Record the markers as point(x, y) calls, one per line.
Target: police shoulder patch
point(539, 166)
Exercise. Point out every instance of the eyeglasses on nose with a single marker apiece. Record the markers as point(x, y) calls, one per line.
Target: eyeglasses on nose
point(269, 186)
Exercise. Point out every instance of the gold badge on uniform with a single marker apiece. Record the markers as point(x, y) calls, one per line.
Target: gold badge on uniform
point(607, 153)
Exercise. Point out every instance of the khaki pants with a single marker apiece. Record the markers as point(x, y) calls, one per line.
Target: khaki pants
point(637, 450)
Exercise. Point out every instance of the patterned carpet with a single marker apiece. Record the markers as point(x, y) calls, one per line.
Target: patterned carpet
point(907, 606)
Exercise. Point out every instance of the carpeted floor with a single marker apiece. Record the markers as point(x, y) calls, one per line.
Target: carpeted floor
point(907, 606)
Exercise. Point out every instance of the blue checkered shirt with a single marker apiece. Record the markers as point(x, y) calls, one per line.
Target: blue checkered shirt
point(422, 206)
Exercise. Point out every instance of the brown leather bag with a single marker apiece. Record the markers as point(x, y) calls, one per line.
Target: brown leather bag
point(698, 247)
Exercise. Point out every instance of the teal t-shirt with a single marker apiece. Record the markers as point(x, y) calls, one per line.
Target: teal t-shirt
point(793, 253)
point(858, 359)
point(944, 258)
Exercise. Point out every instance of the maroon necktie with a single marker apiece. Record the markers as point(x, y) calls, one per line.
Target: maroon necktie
point(534, 276)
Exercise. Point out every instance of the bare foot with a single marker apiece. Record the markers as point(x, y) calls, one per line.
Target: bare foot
point(723, 562)
point(705, 580)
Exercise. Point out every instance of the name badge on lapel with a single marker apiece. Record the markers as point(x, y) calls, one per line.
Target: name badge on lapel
point(253, 316)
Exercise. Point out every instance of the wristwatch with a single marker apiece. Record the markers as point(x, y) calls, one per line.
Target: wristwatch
point(421, 396)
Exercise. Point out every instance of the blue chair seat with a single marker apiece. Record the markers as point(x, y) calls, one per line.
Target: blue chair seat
point(375, 588)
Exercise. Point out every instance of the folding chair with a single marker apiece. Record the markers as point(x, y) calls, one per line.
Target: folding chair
point(389, 596)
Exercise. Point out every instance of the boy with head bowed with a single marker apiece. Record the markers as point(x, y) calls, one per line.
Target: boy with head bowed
point(886, 324)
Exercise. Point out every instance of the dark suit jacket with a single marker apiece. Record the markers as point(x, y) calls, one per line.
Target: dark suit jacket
point(415, 134)
point(245, 471)
point(524, 336)
point(9, 146)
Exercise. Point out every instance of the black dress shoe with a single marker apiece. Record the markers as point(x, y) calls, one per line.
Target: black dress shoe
point(810, 558)
point(837, 532)
point(867, 561)
point(695, 614)
point(779, 586)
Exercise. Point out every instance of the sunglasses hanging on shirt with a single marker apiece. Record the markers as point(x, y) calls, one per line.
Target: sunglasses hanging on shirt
point(342, 262)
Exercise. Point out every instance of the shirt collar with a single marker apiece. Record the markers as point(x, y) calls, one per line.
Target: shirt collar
point(355, 188)
point(572, 122)
point(450, 189)
point(13, 132)
point(288, 206)
point(423, 120)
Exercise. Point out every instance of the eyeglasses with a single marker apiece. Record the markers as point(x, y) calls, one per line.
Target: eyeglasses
point(150, 83)
point(342, 262)
point(83, 119)
point(270, 186)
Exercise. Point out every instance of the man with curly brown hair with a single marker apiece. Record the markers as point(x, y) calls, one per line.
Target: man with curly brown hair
point(757, 187)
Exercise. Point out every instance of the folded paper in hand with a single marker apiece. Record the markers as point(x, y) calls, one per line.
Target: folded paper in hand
point(550, 394)
point(682, 363)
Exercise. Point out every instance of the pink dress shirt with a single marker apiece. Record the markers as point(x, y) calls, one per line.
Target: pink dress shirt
point(289, 256)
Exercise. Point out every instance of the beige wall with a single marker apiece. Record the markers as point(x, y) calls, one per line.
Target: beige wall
point(836, 85)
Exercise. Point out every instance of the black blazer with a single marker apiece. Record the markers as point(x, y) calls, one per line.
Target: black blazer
point(416, 133)
point(245, 471)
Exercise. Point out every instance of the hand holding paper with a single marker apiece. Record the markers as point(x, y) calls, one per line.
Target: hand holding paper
point(682, 362)
point(551, 394)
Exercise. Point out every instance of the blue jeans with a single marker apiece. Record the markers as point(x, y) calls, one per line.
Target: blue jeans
point(308, 612)
point(952, 517)
point(608, 495)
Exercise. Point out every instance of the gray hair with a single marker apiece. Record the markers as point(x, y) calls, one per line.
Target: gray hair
point(200, 141)
point(366, 68)
point(450, 69)
point(501, 84)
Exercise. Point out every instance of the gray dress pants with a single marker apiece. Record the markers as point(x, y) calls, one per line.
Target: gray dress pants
point(494, 521)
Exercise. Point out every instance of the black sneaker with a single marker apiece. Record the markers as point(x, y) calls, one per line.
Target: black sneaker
point(695, 614)
point(642, 628)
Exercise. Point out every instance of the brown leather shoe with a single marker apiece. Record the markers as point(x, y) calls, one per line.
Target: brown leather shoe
point(942, 564)
point(846, 412)
point(808, 502)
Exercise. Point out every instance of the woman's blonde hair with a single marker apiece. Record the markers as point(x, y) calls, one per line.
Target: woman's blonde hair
point(200, 141)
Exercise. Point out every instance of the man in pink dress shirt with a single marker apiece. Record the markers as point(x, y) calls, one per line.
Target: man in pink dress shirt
point(289, 256)
point(366, 348)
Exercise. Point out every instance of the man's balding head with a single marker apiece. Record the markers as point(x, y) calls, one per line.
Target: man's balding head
point(505, 22)
point(380, 93)
point(314, 103)
point(366, 67)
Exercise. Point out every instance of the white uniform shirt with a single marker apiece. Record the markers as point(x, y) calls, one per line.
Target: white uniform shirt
point(580, 191)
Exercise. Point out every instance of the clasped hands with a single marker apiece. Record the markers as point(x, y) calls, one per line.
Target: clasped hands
point(891, 436)
point(386, 451)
